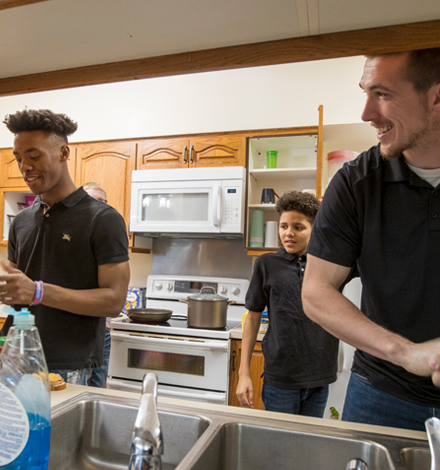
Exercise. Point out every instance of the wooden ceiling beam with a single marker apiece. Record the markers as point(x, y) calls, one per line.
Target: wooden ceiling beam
point(4, 4)
point(326, 46)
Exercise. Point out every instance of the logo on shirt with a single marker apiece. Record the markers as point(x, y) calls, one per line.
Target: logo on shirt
point(67, 237)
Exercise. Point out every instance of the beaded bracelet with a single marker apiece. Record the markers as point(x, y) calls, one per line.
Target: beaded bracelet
point(38, 293)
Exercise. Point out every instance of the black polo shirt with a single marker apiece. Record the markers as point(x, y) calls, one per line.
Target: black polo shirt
point(298, 353)
point(381, 215)
point(65, 246)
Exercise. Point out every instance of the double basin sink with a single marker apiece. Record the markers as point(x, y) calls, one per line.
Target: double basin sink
point(93, 432)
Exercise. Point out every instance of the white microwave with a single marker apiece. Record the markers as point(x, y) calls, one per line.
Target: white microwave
point(188, 201)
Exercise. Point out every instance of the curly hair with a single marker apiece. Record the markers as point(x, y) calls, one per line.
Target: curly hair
point(304, 203)
point(41, 120)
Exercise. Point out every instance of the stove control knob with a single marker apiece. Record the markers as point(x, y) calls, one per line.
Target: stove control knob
point(169, 286)
point(235, 290)
point(158, 286)
point(223, 290)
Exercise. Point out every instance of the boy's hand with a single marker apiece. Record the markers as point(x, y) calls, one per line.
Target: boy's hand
point(15, 287)
point(245, 392)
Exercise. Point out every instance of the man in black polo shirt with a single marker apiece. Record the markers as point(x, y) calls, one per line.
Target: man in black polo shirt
point(68, 253)
point(381, 213)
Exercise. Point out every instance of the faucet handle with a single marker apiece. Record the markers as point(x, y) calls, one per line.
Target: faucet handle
point(149, 385)
point(432, 426)
point(147, 440)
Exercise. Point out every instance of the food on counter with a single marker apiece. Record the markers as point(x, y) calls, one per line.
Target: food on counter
point(57, 382)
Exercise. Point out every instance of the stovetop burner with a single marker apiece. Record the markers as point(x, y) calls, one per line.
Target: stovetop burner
point(174, 326)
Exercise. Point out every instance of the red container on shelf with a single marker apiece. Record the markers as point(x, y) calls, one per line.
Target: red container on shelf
point(337, 158)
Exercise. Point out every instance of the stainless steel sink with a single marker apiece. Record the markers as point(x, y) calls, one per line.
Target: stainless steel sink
point(93, 432)
point(416, 458)
point(247, 447)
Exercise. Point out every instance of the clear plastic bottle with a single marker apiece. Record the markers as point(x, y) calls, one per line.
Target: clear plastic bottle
point(24, 398)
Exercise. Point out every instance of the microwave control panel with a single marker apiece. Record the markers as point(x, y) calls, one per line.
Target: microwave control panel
point(233, 206)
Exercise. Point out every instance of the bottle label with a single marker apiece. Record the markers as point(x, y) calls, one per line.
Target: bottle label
point(14, 426)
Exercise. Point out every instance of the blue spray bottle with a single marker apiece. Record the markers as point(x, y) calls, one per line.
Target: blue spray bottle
point(24, 397)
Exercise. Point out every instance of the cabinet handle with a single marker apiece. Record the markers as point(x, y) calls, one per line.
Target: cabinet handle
point(191, 155)
point(234, 353)
point(184, 154)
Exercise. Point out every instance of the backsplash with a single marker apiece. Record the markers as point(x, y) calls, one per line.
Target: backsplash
point(202, 257)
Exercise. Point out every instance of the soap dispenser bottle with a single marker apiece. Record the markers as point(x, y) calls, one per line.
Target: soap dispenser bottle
point(24, 398)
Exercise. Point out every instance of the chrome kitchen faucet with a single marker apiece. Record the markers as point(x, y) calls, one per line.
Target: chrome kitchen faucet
point(147, 441)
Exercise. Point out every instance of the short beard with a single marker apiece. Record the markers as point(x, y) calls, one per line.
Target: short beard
point(421, 139)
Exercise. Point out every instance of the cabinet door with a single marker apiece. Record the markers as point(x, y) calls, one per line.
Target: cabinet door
point(10, 175)
point(162, 153)
point(221, 150)
point(9, 207)
point(257, 369)
point(110, 164)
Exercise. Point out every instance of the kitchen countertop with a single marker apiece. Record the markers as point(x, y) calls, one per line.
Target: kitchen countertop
point(74, 390)
point(237, 333)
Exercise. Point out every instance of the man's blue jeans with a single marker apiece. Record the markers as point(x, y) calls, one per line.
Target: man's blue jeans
point(364, 403)
point(76, 377)
point(99, 374)
point(305, 401)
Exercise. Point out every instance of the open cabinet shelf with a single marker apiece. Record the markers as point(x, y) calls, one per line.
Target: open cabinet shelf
point(299, 167)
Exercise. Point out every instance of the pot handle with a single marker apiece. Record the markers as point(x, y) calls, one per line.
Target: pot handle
point(184, 301)
point(231, 302)
point(207, 287)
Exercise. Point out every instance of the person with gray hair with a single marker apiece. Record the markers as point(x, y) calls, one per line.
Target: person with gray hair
point(99, 374)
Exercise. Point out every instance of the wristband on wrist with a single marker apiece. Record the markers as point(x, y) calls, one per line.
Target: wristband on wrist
point(38, 293)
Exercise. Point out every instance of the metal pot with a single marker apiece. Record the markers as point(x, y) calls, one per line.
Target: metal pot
point(207, 310)
point(149, 315)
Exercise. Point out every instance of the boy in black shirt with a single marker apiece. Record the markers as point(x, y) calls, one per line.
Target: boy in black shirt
point(300, 357)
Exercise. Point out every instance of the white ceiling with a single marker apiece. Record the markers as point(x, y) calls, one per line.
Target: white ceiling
point(60, 34)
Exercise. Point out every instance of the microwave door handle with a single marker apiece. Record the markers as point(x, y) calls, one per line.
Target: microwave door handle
point(216, 205)
point(204, 346)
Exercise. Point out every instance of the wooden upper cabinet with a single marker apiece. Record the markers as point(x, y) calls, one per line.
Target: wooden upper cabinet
point(191, 152)
point(110, 164)
point(222, 150)
point(162, 153)
point(10, 176)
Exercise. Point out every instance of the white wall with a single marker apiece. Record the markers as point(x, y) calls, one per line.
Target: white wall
point(254, 98)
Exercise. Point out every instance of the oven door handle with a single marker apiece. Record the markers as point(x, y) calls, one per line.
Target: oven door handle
point(204, 346)
point(210, 397)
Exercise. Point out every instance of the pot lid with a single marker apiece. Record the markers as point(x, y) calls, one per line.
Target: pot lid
point(208, 293)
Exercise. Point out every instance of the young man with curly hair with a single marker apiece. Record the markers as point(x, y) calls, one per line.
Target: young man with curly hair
point(300, 358)
point(67, 253)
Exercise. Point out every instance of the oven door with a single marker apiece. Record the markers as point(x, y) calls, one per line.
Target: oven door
point(182, 361)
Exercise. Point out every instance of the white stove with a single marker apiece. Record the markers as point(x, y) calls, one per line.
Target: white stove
point(191, 363)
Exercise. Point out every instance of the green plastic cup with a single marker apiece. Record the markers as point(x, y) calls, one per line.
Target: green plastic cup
point(272, 158)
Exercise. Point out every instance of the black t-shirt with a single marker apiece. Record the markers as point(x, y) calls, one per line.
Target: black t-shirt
point(298, 353)
point(380, 215)
point(64, 247)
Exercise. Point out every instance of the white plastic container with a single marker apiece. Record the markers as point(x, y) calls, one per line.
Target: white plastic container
point(24, 398)
point(337, 158)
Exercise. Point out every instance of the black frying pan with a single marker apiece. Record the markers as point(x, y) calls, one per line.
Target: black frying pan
point(149, 315)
